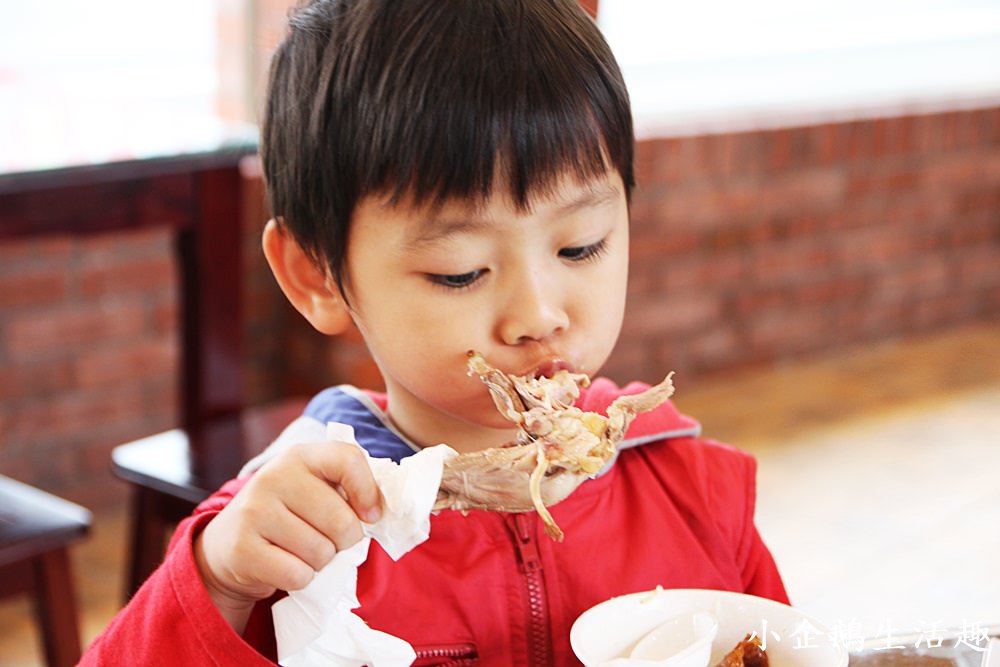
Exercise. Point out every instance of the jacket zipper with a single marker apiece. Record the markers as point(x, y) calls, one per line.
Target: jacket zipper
point(531, 568)
point(459, 654)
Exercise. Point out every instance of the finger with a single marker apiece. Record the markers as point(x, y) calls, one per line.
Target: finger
point(285, 504)
point(346, 466)
point(243, 562)
point(284, 570)
point(306, 542)
point(327, 512)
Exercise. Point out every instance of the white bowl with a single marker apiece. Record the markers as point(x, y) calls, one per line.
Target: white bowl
point(610, 631)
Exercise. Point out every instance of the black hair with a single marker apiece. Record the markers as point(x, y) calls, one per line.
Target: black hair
point(435, 99)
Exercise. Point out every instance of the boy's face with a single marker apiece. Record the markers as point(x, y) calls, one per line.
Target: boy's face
point(533, 291)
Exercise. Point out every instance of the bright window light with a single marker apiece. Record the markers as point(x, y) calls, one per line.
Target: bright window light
point(723, 64)
point(82, 82)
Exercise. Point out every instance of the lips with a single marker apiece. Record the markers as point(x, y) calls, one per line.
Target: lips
point(545, 368)
point(550, 367)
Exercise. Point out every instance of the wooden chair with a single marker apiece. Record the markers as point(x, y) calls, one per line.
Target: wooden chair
point(170, 477)
point(36, 529)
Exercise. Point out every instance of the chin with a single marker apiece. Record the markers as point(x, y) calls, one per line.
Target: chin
point(487, 417)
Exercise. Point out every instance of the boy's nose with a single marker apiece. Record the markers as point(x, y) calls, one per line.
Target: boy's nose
point(534, 312)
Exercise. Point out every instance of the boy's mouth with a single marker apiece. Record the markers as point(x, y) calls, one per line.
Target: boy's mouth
point(550, 367)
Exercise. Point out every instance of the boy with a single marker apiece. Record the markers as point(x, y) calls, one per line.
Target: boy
point(446, 176)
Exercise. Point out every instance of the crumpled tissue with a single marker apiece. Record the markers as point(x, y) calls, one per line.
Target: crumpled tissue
point(316, 625)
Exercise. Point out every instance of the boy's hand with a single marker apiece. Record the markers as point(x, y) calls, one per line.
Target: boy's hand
point(288, 521)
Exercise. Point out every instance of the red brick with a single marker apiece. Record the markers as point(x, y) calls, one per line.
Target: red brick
point(4, 445)
point(699, 275)
point(979, 268)
point(164, 316)
point(853, 141)
point(121, 277)
point(850, 290)
point(123, 363)
point(807, 190)
point(991, 121)
point(926, 134)
point(789, 262)
point(914, 281)
point(751, 154)
point(627, 363)
point(92, 460)
point(67, 415)
point(826, 143)
point(149, 243)
point(953, 171)
point(645, 162)
point(71, 327)
point(716, 348)
point(790, 332)
point(33, 288)
point(889, 136)
point(50, 466)
point(687, 159)
point(756, 303)
point(23, 381)
point(47, 251)
point(665, 315)
point(887, 181)
point(160, 401)
point(977, 228)
point(664, 246)
point(780, 150)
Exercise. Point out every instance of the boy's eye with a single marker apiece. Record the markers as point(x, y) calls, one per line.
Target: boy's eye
point(584, 252)
point(457, 280)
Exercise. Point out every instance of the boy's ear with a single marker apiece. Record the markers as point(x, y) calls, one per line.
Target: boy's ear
point(309, 289)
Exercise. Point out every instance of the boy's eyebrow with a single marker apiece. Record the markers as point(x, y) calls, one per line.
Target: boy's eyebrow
point(595, 195)
point(435, 227)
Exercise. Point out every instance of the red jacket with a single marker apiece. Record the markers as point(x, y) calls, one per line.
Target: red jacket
point(492, 589)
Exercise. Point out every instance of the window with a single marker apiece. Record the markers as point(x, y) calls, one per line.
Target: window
point(87, 81)
point(696, 66)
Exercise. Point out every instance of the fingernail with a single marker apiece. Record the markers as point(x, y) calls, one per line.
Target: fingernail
point(373, 515)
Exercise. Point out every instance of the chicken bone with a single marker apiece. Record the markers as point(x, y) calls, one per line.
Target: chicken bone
point(557, 447)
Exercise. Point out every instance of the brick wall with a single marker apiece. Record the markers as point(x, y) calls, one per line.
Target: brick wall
point(748, 249)
point(760, 247)
point(78, 317)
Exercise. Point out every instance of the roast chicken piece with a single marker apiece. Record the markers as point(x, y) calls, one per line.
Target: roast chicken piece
point(748, 653)
point(557, 446)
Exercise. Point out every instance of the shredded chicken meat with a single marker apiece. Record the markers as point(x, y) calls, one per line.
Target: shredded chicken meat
point(747, 653)
point(558, 445)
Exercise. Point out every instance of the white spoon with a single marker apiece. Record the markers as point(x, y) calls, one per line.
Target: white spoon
point(682, 641)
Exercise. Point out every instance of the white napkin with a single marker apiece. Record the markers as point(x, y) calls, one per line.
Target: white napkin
point(315, 625)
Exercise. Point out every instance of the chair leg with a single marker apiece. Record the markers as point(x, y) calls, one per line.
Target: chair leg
point(153, 516)
point(55, 603)
point(148, 528)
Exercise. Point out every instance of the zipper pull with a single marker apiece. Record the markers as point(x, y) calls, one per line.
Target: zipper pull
point(527, 547)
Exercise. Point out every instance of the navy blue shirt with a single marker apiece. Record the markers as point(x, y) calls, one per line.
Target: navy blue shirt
point(371, 427)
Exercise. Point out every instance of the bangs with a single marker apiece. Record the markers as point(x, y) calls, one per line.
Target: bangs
point(456, 112)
